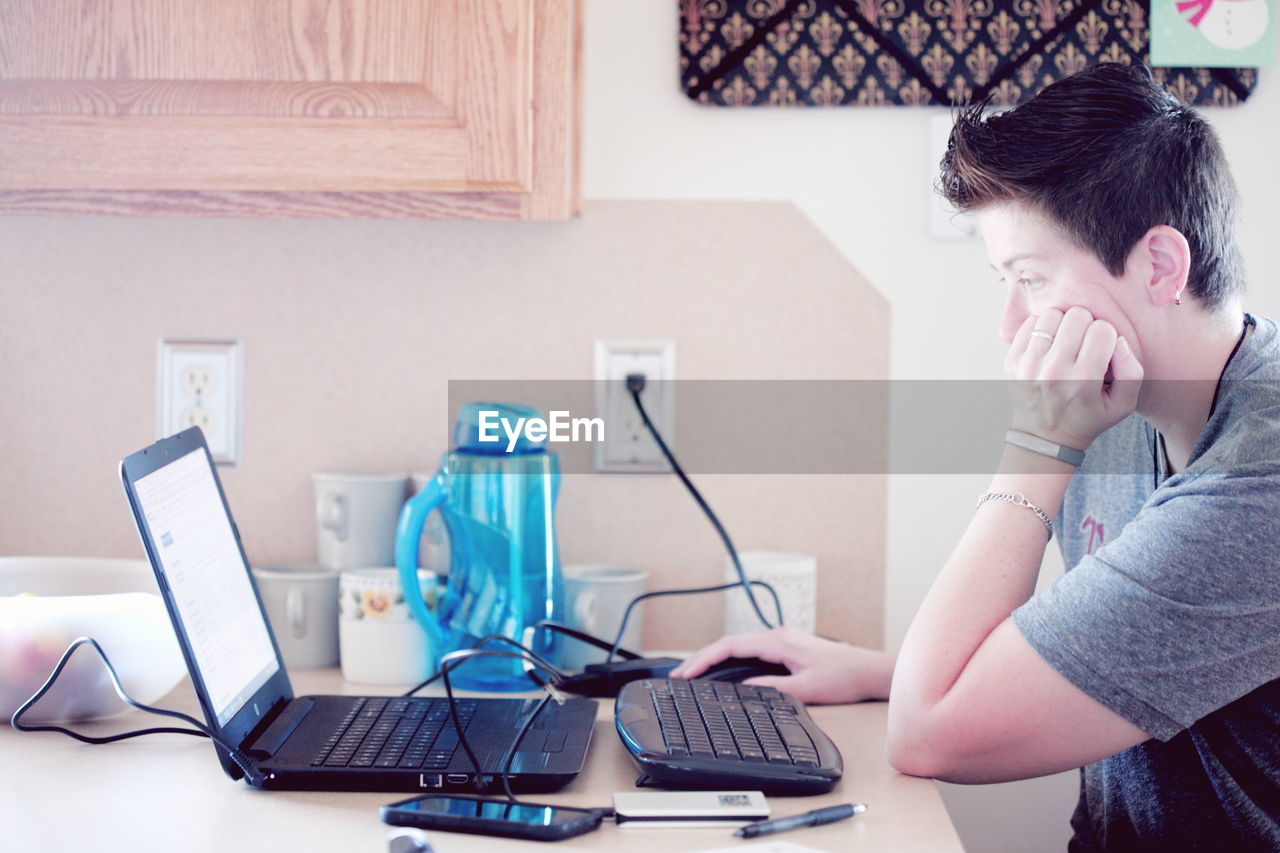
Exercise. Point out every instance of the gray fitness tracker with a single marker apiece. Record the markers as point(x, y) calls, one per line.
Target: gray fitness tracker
point(1044, 447)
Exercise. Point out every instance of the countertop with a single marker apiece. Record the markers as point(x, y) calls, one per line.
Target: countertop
point(168, 792)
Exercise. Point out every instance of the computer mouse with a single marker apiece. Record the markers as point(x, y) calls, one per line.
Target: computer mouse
point(606, 679)
point(740, 669)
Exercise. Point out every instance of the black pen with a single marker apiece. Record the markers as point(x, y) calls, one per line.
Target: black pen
point(817, 817)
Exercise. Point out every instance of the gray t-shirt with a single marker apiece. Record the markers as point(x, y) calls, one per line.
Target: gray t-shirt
point(1170, 616)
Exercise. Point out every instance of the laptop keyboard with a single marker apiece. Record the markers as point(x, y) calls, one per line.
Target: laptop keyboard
point(396, 733)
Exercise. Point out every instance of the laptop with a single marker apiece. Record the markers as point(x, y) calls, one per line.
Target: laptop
point(314, 743)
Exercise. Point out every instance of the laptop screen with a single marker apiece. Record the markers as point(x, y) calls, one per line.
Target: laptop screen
point(208, 580)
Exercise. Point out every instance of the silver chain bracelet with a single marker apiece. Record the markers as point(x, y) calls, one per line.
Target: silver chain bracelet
point(1018, 499)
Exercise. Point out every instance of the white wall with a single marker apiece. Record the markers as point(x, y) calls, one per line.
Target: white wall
point(863, 176)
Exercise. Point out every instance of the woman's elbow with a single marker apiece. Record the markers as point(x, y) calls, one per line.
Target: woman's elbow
point(909, 750)
point(916, 746)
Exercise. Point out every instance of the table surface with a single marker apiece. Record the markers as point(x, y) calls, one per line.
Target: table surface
point(168, 792)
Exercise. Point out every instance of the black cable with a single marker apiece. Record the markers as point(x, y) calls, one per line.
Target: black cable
point(539, 660)
point(529, 655)
point(454, 659)
point(449, 662)
point(582, 636)
point(246, 766)
point(157, 730)
point(626, 614)
point(510, 757)
point(635, 384)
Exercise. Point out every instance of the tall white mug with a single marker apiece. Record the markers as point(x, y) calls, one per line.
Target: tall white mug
point(794, 576)
point(597, 598)
point(356, 517)
point(302, 604)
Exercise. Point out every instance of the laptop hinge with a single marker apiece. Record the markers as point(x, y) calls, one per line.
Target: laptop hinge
point(274, 736)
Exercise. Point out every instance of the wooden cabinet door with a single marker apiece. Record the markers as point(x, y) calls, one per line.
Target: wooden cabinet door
point(456, 108)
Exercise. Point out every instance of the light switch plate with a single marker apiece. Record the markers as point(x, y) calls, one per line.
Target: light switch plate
point(198, 383)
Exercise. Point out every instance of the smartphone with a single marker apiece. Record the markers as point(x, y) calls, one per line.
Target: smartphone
point(485, 816)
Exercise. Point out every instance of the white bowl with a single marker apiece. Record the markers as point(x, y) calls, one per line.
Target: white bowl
point(46, 602)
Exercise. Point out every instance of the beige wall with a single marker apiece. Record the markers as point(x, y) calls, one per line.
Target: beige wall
point(352, 330)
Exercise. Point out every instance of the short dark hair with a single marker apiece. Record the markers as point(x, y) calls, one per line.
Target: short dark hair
point(1106, 154)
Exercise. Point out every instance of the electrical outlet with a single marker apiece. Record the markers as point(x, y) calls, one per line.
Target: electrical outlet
point(628, 447)
point(198, 384)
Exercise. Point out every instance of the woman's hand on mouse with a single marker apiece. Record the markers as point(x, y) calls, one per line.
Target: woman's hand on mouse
point(822, 671)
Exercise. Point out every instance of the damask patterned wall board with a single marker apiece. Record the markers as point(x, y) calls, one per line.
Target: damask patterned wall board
point(918, 52)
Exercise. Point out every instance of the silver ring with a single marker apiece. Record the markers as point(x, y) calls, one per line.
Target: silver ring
point(1041, 333)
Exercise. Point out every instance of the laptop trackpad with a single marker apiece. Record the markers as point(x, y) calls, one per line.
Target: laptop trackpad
point(542, 740)
point(533, 741)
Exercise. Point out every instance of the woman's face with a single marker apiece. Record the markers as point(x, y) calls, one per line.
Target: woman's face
point(1041, 269)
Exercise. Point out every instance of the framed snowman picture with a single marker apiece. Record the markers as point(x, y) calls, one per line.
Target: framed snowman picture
point(1213, 33)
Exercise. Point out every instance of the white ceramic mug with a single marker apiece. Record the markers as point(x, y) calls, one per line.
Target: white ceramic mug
point(356, 517)
point(794, 576)
point(380, 641)
point(596, 597)
point(302, 605)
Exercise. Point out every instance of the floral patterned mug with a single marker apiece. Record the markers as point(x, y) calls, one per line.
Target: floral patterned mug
point(379, 640)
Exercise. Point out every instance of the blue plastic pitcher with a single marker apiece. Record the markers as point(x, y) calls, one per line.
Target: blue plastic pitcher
point(498, 500)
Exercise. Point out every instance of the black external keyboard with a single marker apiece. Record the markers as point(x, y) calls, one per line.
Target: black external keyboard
point(401, 733)
point(718, 735)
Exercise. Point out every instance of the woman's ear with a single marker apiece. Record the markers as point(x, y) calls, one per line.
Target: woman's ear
point(1164, 258)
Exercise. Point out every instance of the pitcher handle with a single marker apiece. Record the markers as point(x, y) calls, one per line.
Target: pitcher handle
point(408, 539)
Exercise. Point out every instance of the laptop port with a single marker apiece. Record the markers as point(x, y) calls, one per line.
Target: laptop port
point(457, 778)
point(430, 780)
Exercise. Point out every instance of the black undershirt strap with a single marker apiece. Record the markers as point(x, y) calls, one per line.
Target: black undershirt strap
point(1249, 323)
point(1158, 448)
